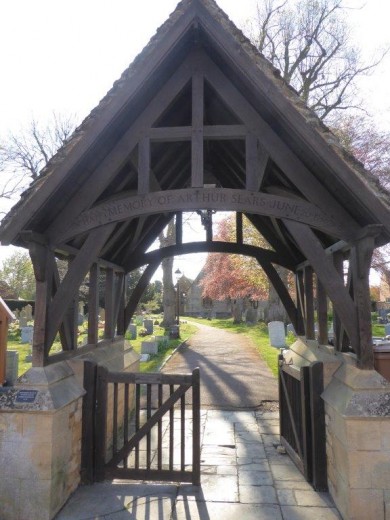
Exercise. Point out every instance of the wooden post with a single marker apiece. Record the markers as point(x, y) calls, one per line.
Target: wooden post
point(239, 228)
point(39, 255)
point(120, 315)
point(197, 146)
point(3, 345)
point(109, 304)
point(338, 261)
point(93, 304)
point(322, 313)
point(179, 227)
point(309, 303)
point(360, 260)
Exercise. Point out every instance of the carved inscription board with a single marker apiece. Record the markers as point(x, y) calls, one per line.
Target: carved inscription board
point(220, 199)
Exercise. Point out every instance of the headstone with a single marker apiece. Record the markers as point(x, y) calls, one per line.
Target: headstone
point(81, 308)
point(23, 319)
point(174, 332)
point(144, 357)
point(149, 347)
point(148, 324)
point(290, 328)
point(12, 367)
point(387, 329)
point(277, 335)
point(133, 331)
point(102, 314)
point(251, 316)
point(27, 334)
point(28, 309)
point(17, 313)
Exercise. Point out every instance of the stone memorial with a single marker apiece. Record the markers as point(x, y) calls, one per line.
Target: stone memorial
point(133, 331)
point(174, 332)
point(148, 324)
point(23, 319)
point(12, 367)
point(149, 347)
point(277, 335)
point(27, 334)
point(102, 314)
point(387, 329)
point(251, 316)
point(28, 309)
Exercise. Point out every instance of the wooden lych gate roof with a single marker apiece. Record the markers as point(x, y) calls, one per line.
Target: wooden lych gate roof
point(200, 120)
point(258, 136)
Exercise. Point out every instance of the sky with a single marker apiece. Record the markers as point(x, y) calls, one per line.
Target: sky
point(64, 56)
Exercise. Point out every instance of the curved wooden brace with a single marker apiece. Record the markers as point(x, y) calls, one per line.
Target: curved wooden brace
point(191, 199)
point(138, 292)
point(207, 247)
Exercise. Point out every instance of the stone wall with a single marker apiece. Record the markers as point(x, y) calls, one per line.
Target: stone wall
point(40, 441)
point(357, 407)
point(40, 444)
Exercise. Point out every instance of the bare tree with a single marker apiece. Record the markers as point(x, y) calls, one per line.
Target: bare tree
point(309, 42)
point(24, 154)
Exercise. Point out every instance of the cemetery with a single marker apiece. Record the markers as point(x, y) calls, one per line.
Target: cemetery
point(200, 121)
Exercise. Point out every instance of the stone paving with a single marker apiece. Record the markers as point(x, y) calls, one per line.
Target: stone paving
point(243, 477)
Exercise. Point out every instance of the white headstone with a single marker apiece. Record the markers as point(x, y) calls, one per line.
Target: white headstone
point(28, 309)
point(277, 334)
point(23, 319)
point(133, 331)
point(27, 334)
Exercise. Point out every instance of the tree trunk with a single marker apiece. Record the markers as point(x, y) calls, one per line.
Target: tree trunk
point(169, 294)
point(275, 310)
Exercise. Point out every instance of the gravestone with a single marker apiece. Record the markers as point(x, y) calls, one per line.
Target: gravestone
point(28, 309)
point(174, 332)
point(27, 334)
point(23, 319)
point(133, 331)
point(148, 324)
point(149, 347)
point(102, 314)
point(12, 367)
point(387, 329)
point(17, 313)
point(277, 335)
point(251, 316)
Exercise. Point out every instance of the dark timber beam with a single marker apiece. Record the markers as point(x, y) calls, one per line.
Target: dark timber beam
point(280, 288)
point(326, 272)
point(360, 259)
point(206, 247)
point(278, 150)
point(309, 302)
point(40, 258)
point(239, 228)
point(74, 277)
point(322, 313)
point(256, 163)
point(138, 292)
point(89, 192)
point(197, 151)
point(144, 165)
point(93, 304)
point(257, 79)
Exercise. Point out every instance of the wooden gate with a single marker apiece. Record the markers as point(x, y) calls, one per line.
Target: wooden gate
point(302, 420)
point(160, 440)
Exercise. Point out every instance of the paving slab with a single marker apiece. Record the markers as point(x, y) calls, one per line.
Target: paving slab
point(233, 487)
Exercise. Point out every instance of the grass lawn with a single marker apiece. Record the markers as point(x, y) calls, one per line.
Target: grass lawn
point(257, 333)
point(155, 361)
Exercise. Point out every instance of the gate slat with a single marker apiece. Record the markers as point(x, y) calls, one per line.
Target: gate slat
point(153, 420)
point(146, 427)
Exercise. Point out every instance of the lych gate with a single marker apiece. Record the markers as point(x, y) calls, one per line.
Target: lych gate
point(201, 121)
